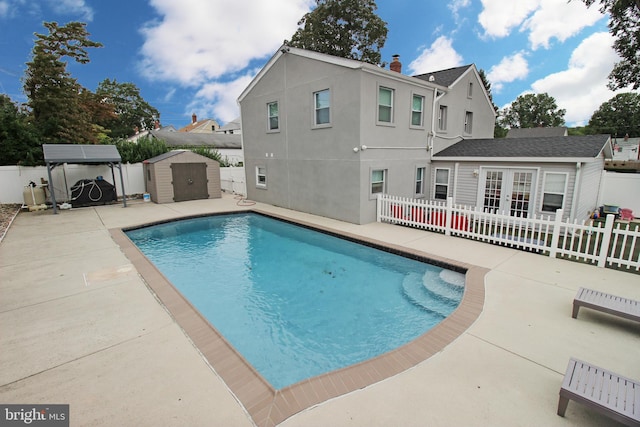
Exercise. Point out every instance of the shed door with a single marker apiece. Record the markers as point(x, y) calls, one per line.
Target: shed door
point(189, 181)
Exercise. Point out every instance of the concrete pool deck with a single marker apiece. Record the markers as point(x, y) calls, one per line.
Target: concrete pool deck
point(79, 326)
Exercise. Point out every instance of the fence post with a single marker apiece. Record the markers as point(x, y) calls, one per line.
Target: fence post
point(555, 237)
point(378, 207)
point(606, 239)
point(449, 214)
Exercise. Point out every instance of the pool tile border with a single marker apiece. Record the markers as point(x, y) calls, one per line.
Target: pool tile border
point(267, 406)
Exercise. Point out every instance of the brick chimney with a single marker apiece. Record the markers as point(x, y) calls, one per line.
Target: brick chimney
point(194, 118)
point(396, 65)
point(156, 125)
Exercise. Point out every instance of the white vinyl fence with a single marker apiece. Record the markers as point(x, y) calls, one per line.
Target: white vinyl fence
point(604, 243)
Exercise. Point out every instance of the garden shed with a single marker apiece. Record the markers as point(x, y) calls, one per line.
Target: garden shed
point(181, 175)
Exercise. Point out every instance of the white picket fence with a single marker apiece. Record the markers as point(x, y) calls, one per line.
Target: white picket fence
point(606, 244)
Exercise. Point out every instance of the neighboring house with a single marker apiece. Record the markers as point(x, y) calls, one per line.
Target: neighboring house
point(524, 176)
point(324, 135)
point(200, 126)
point(229, 146)
point(233, 127)
point(539, 132)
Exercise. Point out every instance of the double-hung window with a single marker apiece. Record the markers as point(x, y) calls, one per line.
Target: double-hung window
point(442, 118)
point(554, 189)
point(417, 107)
point(378, 181)
point(261, 176)
point(385, 105)
point(468, 122)
point(322, 107)
point(442, 184)
point(273, 116)
point(420, 181)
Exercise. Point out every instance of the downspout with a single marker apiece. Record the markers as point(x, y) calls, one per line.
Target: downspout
point(576, 191)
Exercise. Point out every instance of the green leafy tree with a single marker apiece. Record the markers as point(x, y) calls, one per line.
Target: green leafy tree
point(618, 116)
point(498, 130)
point(19, 143)
point(130, 110)
point(624, 25)
point(53, 95)
point(533, 110)
point(140, 150)
point(344, 28)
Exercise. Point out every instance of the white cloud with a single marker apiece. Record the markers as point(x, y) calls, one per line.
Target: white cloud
point(456, 5)
point(509, 69)
point(560, 20)
point(439, 56)
point(73, 7)
point(4, 9)
point(499, 17)
point(582, 87)
point(220, 99)
point(542, 19)
point(197, 41)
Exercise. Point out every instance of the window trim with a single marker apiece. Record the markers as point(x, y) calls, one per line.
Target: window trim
point(258, 175)
point(391, 121)
point(385, 175)
point(269, 128)
point(544, 191)
point(435, 182)
point(470, 90)
point(315, 124)
point(422, 99)
point(442, 118)
point(468, 124)
point(422, 181)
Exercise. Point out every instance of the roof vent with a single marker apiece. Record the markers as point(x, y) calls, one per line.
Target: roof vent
point(432, 78)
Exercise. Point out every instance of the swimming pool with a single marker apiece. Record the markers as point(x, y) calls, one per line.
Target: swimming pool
point(297, 303)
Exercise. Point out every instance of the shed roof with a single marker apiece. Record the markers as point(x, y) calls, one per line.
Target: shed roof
point(164, 156)
point(78, 153)
point(562, 148)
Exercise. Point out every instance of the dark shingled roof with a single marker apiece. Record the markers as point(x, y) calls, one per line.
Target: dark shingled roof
point(445, 77)
point(163, 156)
point(588, 146)
point(191, 139)
point(537, 132)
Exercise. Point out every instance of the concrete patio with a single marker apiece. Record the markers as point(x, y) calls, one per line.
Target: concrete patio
point(79, 326)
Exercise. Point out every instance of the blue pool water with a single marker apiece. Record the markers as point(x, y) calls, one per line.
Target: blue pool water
point(295, 302)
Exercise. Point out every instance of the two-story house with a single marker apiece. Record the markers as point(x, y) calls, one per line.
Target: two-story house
point(324, 135)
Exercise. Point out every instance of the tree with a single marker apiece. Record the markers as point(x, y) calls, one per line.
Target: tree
point(19, 143)
point(533, 110)
point(130, 110)
point(624, 25)
point(344, 28)
point(618, 116)
point(54, 96)
point(498, 130)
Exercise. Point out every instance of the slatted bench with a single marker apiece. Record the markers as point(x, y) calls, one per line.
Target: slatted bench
point(611, 304)
point(601, 390)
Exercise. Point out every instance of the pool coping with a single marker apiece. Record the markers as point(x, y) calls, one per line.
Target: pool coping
point(266, 406)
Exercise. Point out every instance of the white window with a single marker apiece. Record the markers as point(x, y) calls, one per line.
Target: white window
point(468, 122)
point(442, 184)
point(385, 105)
point(261, 176)
point(420, 181)
point(442, 118)
point(378, 181)
point(322, 106)
point(417, 107)
point(554, 190)
point(273, 116)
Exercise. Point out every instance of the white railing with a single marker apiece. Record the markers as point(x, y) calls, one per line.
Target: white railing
point(588, 241)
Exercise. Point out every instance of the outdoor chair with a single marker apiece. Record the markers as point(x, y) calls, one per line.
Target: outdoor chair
point(607, 303)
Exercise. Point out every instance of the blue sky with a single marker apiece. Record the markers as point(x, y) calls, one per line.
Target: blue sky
point(196, 56)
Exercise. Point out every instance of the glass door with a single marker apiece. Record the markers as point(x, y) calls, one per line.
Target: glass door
point(507, 190)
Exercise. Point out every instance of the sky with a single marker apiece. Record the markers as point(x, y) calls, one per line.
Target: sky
point(197, 56)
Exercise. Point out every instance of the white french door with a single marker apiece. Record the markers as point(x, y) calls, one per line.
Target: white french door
point(507, 190)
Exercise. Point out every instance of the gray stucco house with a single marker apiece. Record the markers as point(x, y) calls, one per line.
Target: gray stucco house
point(524, 176)
point(325, 135)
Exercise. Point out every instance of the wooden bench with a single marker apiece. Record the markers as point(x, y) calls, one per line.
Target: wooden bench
point(601, 390)
point(611, 304)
